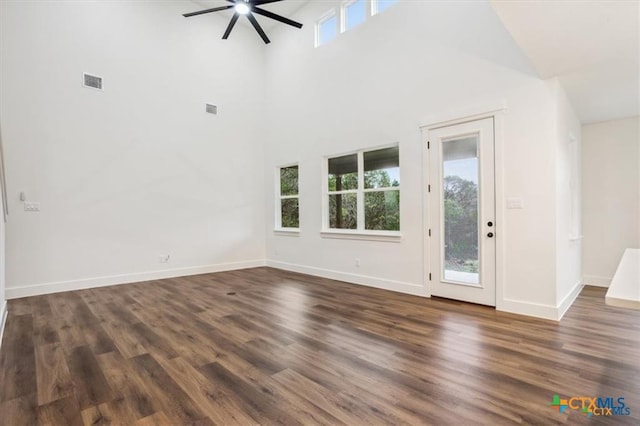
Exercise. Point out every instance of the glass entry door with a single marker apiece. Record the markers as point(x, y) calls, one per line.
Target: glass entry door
point(462, 212)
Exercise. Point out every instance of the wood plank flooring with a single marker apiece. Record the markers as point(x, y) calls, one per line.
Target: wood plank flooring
point(262, 346)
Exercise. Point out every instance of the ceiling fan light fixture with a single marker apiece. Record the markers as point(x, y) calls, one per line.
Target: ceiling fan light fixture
point(247, 8)
point(242, 8)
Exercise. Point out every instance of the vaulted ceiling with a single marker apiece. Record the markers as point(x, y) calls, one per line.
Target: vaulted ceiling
point(593, 47)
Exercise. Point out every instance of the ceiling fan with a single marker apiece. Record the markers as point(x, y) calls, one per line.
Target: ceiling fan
point(248, 8)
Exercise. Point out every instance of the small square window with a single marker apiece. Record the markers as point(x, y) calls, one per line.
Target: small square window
point(343, 211)
point(343, 173)
point(289, 180)
point(354, 14)
point(326, 29)
point(382, 210)
point(289, 213)
point(382, 168)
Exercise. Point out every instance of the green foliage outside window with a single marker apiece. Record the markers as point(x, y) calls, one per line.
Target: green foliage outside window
point(289, 180)
point(461, 224)
point(382, 210)
point(289, 207)
point(343, 212)
point(290, 214)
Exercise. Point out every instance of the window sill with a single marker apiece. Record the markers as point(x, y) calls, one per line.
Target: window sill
point(386, 236)
point(287, 232)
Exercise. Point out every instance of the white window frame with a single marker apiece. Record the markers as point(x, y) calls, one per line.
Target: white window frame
point(374, 7)
point(279, 197)
point(340, 13)
point(360, 233)
point(324, 18)
point(368, 4)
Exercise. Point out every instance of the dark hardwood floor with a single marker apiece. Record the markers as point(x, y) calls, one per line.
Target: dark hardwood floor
point(263, 346)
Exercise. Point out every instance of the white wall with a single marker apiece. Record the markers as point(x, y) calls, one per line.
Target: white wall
point(611, 195)
point(376, 85)
point(568, 175)
point(3, 298)
point(138, 170)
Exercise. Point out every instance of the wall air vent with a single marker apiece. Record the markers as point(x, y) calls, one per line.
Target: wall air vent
point(91, 81)
point(212, 109)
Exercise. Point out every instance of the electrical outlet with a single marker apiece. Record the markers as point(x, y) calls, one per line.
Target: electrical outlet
point(31, 207)
point(357, 262)
point(163, 259)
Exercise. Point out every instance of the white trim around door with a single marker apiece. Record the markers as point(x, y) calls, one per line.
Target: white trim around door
point(497, 118)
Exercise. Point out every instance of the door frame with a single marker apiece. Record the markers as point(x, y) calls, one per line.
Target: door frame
point(498, 122)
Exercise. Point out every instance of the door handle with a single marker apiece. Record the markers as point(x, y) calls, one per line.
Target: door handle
point(490, 235)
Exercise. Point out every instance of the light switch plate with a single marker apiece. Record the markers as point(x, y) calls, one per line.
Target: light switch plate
point(31, 207)
point(515, 203)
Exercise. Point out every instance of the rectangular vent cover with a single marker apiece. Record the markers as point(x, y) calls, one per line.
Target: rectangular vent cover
point(212, 109)
point(92, 81)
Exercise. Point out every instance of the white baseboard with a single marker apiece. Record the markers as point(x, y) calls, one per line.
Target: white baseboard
point(57, 287)
point(3, 320)
point(538, 310)
point(568, 300)
point(402, 287)
point(597, 281)
point(622, 303)
point(550, 312)
point(520, 307)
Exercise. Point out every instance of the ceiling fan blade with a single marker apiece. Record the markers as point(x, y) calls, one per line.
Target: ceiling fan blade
point(259, 2)
point(201, 12)
point(258, 28)
point(233, 21)
point(276, 17)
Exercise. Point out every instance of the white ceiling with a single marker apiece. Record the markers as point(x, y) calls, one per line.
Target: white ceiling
point(592, 46)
